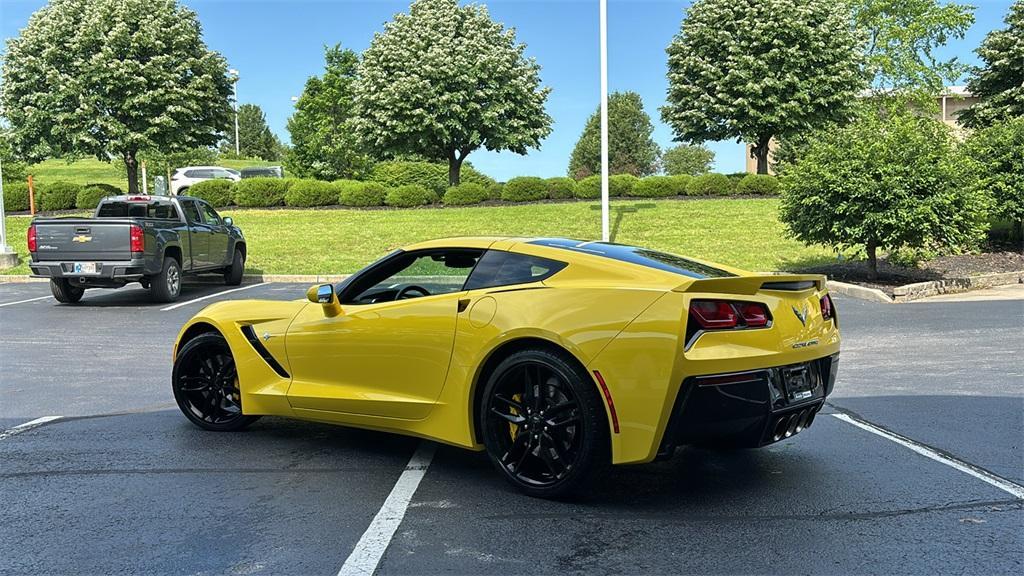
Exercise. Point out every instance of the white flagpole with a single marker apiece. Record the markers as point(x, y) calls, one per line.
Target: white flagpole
point(605, 231)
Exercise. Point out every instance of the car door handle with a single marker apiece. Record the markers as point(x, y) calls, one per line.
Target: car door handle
point(463, 304)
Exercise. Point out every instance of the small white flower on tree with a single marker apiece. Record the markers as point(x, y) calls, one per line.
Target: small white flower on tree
point(758, 69)
point(112, 78)
point(445, 80)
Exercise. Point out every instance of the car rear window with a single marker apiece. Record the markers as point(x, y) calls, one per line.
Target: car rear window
point(642, 256)
point(123, 209)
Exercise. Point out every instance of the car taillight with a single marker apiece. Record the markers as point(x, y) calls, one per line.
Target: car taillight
point(138, 243)
point(32, 238)
point(727, 314)
point(827, 311)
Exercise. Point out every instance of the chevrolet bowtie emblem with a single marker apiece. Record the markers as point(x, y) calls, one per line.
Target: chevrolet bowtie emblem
point(82, 238)
point(266, 336)
point(801, 315)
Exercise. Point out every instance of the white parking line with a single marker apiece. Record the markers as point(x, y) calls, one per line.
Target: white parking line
point(24, 301)
point(187, 302)
point(27, 426)
point(966, 467)
point(370, 549)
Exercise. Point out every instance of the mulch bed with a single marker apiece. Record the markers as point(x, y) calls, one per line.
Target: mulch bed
point(890, 276)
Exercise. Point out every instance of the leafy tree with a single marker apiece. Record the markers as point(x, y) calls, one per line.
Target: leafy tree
point(886, 181)
point(995, 156)
point(324, 141)
point(902, 36)
point(445, 80)
point(687, 159)
point(255, 138)
point(631, 150)
point(14, 170)
point(112, 78)
point(1000, 83)
point(758, 69)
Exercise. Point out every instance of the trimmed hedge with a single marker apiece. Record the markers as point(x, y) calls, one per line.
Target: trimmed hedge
point(465, 194)
point(494, 190)
point(217, 192)
point(561, 187)
point(361, 194)
point(681, 184)
point(589, 188)
point(58, 195)
point(525, 189)
point(410, 195)
point(710, 185)
point(430, 175)
point(15, 196)
point(310, 193)
point(621, 184)
point(261, 192)
point(90, 195)
point(654, 187)
point(765, 184)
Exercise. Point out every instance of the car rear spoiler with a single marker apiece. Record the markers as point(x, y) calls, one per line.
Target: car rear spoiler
point(753, 284)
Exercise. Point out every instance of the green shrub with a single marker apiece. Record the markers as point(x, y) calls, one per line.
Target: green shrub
point(758, 184)
point(710, 185)
point(621, 184)
point(58, 196)
point(309, 193)
point(589, 188)
point(410, 195)
point(465, 194)
point(356, 193)
point(735, 177)
point(654, 187)
point(91, 194)
point(994, 166)
point(525, 189)
point(217, 192)
point(16, 196)
point(430, 175)
point(561, 187)
point(261, 192)
point(681, 184)
point(494, 190)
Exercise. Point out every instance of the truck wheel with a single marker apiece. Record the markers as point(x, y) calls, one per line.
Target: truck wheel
point(233, 275)
point(65, 292)
point(166, 286)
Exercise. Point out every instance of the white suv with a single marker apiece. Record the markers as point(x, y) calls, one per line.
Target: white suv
point(182, 178)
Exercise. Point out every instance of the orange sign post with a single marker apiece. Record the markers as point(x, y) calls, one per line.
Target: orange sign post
point(31, 196)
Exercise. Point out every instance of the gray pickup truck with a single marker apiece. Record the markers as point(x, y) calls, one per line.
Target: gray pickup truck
point(152, 240)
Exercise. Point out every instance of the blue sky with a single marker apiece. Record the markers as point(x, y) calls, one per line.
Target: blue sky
point(277, 44)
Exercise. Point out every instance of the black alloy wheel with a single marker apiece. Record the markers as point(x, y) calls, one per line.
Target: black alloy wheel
point(206, 387)
point(543, 424)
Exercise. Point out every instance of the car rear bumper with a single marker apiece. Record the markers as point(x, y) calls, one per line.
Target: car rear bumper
point(751, 408)
point(109, 272)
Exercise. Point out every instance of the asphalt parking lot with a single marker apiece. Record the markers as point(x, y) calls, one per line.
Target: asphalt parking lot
point(123, 483)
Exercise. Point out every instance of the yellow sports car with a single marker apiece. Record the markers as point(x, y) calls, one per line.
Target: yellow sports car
point(557, 357)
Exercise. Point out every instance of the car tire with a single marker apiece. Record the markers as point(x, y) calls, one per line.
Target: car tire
point(166, 286)
point(568, 447)
point(233, 275)
point(205, 385)
point(65, 292)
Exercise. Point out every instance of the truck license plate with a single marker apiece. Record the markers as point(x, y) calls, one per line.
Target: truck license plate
point(84, 268)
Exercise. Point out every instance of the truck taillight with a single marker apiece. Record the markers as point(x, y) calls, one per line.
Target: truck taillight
point(728, 314)
point(32, 238)
point(138, 243)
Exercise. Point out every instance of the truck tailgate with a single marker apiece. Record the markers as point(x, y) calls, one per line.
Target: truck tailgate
point(83, 239)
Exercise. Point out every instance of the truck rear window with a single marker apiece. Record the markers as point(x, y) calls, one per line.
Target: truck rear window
point(121, 209)
point(642, 256)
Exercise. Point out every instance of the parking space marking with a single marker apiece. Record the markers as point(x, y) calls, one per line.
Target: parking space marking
point(966, 467)
point(24, 301)
point(187, 302)
point(371, 546)
point(27, 426)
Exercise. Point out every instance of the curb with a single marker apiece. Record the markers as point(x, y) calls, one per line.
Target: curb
point(920, 290)
point(860, 292)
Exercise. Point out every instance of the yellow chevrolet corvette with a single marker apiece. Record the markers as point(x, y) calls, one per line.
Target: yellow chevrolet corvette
point(557, 357)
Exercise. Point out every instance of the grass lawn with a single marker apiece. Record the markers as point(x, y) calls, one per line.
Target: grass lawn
point(740, 232)
point(90, 170)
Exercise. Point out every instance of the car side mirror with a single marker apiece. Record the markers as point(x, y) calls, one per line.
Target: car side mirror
point(228, 221)
point(324, 295)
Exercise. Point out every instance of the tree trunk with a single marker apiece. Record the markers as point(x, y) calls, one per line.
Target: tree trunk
point(133, 172)
point(872, 250)
point(455, 167)
point(760, 151)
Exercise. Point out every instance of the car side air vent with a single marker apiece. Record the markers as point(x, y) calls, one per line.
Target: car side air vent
point(250, 335)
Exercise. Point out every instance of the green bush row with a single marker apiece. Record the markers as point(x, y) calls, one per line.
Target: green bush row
point(58, 195)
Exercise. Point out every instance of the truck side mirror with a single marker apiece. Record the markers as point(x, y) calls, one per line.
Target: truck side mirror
point(228, 221)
